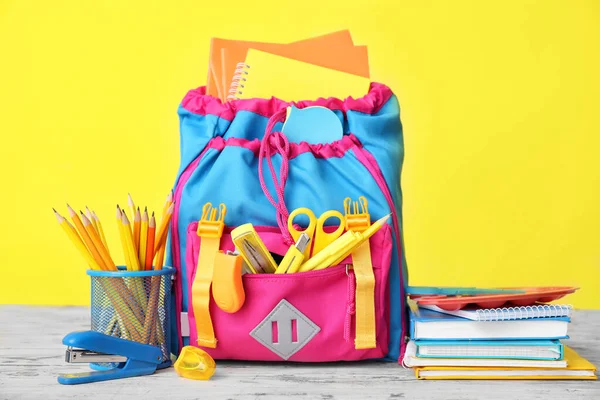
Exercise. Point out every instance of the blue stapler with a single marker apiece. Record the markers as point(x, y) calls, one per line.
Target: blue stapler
point(131, 358)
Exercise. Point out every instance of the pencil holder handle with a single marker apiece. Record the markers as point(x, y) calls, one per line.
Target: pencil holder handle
point(133, 305)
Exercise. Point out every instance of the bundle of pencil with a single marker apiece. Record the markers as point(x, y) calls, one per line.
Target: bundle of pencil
point(142, 243)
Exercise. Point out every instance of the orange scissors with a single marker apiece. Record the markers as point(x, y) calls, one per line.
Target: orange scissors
point(315, 230)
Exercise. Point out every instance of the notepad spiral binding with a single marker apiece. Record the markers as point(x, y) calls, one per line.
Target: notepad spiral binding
point(237, 83)
point(526, 312)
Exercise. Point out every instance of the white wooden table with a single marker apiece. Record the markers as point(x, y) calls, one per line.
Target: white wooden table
point(32, 355)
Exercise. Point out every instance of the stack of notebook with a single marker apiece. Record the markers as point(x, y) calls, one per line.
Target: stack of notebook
point(330, 65)
point(501, 343)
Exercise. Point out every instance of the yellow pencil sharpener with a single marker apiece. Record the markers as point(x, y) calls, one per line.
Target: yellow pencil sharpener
point(194, 363)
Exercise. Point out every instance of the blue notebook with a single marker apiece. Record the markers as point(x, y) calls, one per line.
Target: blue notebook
point(491, 349)
point(431, 325)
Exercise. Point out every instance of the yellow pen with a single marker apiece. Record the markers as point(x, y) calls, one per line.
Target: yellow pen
point(325, 258)
point(294, 256)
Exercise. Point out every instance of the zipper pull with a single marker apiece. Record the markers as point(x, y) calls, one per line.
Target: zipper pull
point(351, 304)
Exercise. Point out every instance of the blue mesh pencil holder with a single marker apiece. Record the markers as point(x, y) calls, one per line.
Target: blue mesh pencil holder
point(133, 305)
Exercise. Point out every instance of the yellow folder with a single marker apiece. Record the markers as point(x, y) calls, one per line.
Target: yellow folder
point(577, 368)
point(267, 75)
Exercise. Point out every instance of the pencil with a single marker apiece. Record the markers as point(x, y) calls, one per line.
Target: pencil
point(123, 239)
point(129, 241)
point(131, 205)
point(86, 238)
point(100, 231)
point(136, 231)
point(74, 237)
point(150, 244)
point(108, 262)
point(164, 228)
point(160, 257)
point(91, 218)
point(143, 239)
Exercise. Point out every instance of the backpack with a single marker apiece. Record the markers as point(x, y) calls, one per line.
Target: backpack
point(234, 153)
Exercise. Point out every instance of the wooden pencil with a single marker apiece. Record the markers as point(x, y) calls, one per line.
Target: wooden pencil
point(86, 238)
point(100, 231)
point(150, 243)
point(136, 231)
point(129, 241)
point(108, 262)
point(161, 235)
point(131, 205)
point(121, 228)
point(160, 253)
point(91, 218)
point(143, 239)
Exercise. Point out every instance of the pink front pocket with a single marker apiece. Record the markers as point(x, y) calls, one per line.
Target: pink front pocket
point(303, 317)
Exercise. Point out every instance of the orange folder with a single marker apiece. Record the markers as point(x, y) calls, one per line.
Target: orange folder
point(334, 50)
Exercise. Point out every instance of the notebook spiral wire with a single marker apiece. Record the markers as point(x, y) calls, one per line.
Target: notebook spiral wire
point(237, 83)
point(512, 313)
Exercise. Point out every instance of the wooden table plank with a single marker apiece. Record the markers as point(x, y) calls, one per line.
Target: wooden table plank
point(32, 355)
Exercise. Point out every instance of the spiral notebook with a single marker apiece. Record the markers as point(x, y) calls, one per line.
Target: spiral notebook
point(508, 313)
point(268, 75)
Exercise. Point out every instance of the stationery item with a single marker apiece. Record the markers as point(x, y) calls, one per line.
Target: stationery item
point(100, 230)
point(313, 125)
point(122, 234)
point(227, 287)
point(131, 205)
point(143, 239)
point(577, 368)
point(195, 363)
point(210, 229)
point(108, 262)
point(131, 253)
point(131, 358)
point(253, 250)
point(412, 360)
point(91, 218)
point(294, 256)
point(160, 255)
point(136, 231)
point(505, 349)
point(150, 243)
point(268, 75)
point(416, 291)
point(161, 235)
point(316, 229)
point(342, 247)
point(358, 220)
point(433, 325)
point(86, 238)
point(507, 313)
point(531, 295)
point(76, 240)
point(334, 50)
point(227, 53)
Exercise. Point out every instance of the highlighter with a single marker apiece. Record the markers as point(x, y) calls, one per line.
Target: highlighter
point(341, 246)
point(294, 256)
point(253, 250)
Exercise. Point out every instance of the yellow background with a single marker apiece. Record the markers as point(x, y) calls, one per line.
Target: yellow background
point(499, 104)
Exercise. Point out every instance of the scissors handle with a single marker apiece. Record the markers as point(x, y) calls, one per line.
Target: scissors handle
point(321, 238)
